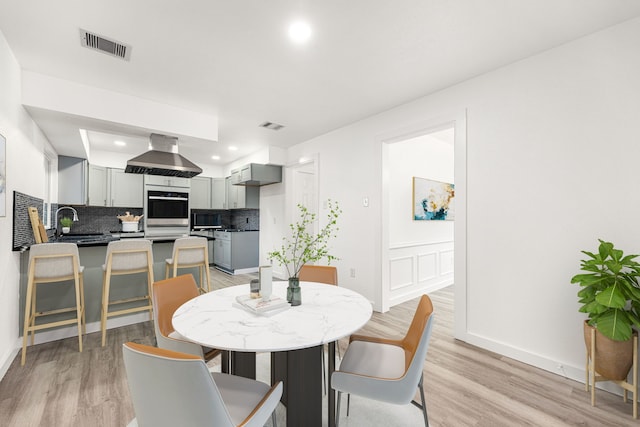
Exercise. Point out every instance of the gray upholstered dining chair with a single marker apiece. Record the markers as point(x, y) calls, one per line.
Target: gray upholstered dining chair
point(387, 370)
point(176, 389)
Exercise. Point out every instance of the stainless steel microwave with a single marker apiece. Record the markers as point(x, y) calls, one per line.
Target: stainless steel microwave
point(205, 220)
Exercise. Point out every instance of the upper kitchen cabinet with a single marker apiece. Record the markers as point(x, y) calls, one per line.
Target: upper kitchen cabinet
point(125, 189)
point(97, 186)
point(200, 195)
point(72, 180)
point(218, 193)
point(239, 196)
point(255, 174)
point(169, 181)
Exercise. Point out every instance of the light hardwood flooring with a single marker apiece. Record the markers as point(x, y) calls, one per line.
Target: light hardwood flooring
point(464, 385)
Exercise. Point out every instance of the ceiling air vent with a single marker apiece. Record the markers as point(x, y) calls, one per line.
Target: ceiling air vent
point(271, 125)
point(104, 45)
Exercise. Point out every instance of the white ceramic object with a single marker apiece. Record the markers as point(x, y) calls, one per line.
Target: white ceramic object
point(129, 226)
point(265, 276)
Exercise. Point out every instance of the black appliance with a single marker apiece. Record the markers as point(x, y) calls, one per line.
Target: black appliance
point(166, 207)
point(201, 220)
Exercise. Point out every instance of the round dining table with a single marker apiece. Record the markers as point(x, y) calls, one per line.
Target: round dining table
point(295, 337)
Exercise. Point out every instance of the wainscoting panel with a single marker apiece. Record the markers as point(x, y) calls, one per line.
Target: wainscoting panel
point(446, 262)
point(427, 267)
point(401, 273)
point(416, 269)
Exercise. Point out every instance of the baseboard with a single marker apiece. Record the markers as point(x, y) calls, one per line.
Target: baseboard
point(557, 367)
point(7, 360)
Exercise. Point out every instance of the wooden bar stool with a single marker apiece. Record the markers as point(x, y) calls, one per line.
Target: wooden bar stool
point(126, 257)
point(189, 252)
point(52, 262)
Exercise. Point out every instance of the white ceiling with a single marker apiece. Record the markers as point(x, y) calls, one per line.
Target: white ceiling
point(232, 59)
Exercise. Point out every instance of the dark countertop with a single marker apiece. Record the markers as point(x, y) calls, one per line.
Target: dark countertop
point(99, 239)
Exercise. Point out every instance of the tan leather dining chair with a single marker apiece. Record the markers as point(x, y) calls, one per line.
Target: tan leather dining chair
point(171, 389)
point(388, 370)
point(190, 252)
point(321, 274)
point(168, 295)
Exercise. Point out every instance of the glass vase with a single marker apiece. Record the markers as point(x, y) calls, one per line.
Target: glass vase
point(293, 291)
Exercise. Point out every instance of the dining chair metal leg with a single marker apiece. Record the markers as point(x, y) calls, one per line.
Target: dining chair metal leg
point(422, 406)
point(338, 409)
point(324, 374)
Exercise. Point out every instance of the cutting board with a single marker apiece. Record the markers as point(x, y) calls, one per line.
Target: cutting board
point(39, 232)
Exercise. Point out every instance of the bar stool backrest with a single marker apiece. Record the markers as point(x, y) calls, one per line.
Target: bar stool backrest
point(54, 260)
point(189, 250)
point(130, 254)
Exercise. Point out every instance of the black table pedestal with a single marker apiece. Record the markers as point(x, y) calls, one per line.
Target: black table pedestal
point(301, 374)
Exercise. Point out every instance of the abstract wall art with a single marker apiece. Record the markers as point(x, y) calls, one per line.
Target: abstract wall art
point(433, 200)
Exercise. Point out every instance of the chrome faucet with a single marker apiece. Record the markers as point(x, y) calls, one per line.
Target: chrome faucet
point(75, 217)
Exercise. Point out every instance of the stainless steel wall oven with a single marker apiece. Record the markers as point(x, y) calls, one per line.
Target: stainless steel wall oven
point(166, 207)
point(166, 211)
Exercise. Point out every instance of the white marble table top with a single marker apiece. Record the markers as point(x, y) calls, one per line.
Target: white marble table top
point(326, 314)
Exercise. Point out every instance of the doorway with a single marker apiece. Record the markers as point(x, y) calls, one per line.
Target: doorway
point(418, 256)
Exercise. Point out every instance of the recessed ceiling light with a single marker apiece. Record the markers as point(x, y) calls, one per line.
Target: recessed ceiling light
point(120, 143)
point(215, 157)
point(233, 148)
point(299, 32)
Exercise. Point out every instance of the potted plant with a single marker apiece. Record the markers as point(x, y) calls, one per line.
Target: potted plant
point(66, 222)
point(610, 296)
point(304, 247)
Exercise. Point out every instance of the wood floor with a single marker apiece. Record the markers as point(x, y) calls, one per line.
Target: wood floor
point(464, 386)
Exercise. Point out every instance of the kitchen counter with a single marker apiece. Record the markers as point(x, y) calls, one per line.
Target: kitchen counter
point(92, 257)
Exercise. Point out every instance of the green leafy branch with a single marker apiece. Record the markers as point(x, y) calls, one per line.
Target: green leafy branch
point(304, 247)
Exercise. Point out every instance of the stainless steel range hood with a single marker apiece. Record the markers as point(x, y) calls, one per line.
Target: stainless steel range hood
point(163, 159)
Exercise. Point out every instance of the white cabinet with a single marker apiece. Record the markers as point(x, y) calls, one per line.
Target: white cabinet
point(97, 186)
point(72, 181)
point(170, 181)
point(235, 193)
point(82, 184)
point(240, 196)
point(125, 189)
point(218, 193)
point(200, 194)
point(222, 249)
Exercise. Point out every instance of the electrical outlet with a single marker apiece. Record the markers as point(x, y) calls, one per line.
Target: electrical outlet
point(353, 272)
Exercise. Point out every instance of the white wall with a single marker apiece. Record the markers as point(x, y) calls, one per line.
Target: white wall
point(423, 157)
point(552, 152)
point(25, 147)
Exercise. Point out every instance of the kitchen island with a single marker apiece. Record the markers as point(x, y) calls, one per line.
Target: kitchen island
point(92, 257)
